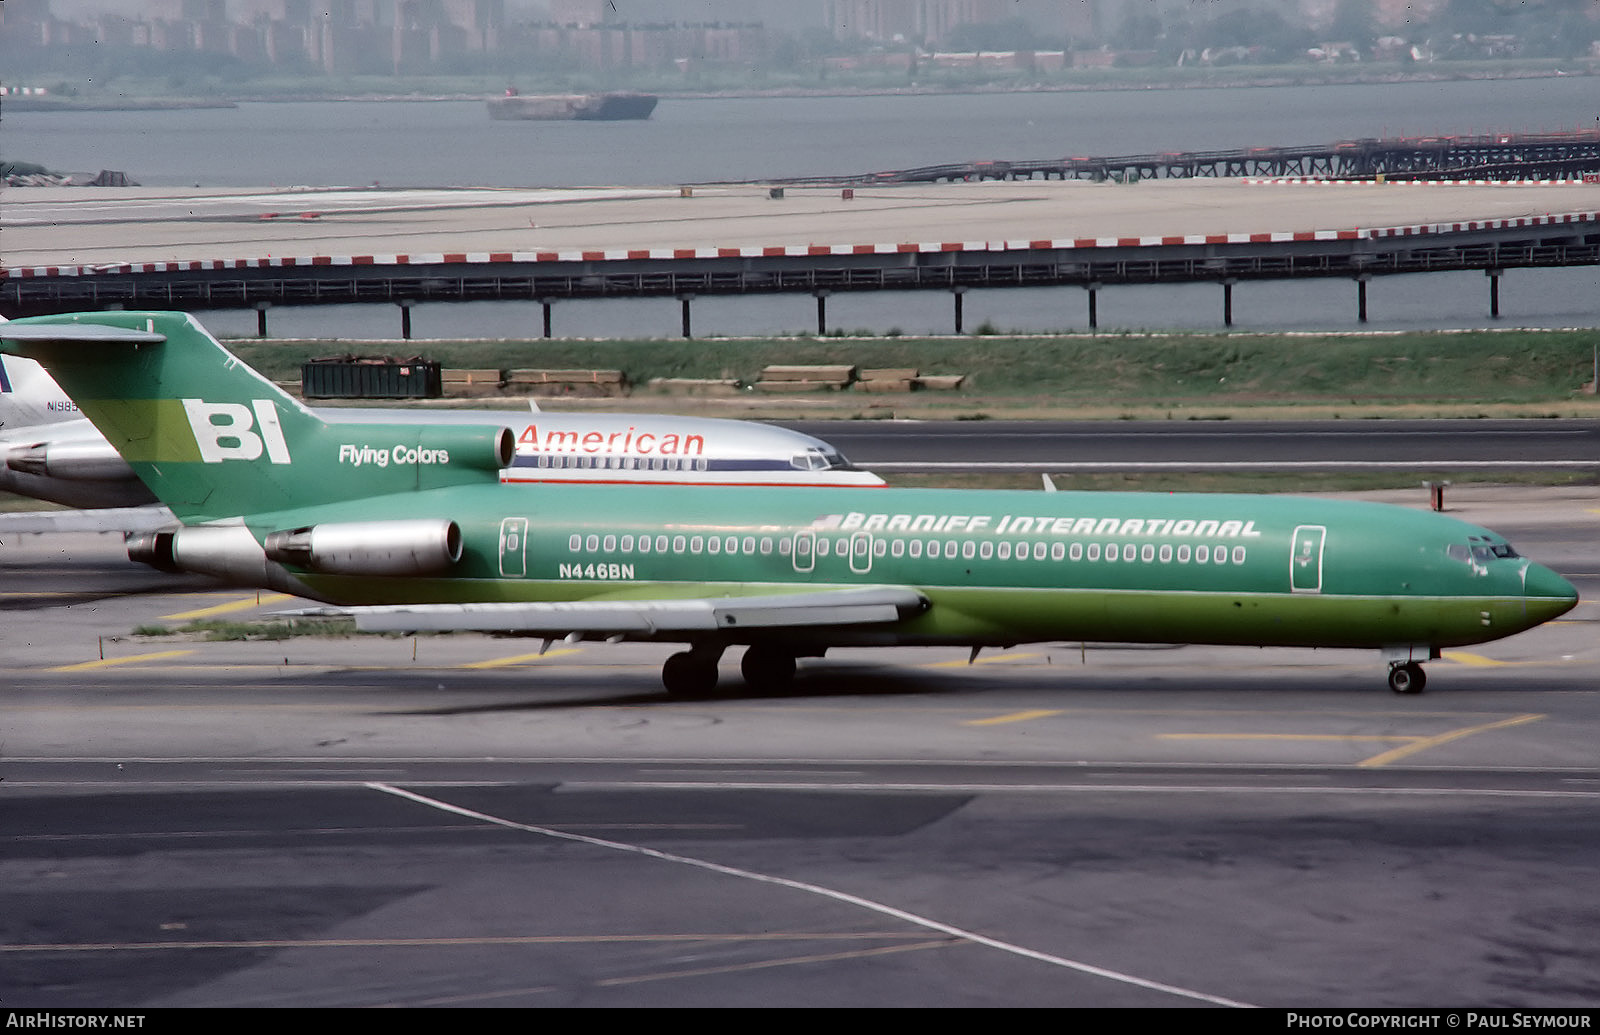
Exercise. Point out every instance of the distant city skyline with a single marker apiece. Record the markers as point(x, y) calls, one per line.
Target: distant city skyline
point(919, 21)
point(880, 37)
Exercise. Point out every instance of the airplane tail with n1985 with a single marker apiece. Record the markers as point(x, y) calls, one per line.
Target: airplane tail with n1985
point(412, 529)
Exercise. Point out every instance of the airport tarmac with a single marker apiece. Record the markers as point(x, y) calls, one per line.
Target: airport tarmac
point(964, 446)
point(457, 820)
point(86, 226)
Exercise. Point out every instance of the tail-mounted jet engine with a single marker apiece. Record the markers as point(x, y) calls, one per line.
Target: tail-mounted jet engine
point(422, 547)
point(79, 461)
point(228, 552)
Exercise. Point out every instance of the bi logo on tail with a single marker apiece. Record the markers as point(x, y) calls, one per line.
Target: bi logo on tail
point(224, 431)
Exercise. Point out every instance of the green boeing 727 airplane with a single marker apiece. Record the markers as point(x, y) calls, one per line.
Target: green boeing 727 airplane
point(410, 528)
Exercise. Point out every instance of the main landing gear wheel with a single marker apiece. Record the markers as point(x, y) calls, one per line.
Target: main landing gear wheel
point(1407, 679)
point(690, 674)
point(767, 668)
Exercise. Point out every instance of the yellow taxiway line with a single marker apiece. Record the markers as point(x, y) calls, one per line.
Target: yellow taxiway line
point(132, 659)
point(1343, 737)
point(999, 720)
point(1462, 657)
point(993, 659)
point(1424, 743)
point(1409, 745)
point(242, 604)
point(518, 659)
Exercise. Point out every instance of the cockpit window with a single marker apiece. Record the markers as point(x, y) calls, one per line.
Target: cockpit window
point(1480, 550)
point(1494, 548)
point(815, 459)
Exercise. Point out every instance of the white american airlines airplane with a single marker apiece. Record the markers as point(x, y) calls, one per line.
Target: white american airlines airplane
point(50, 451)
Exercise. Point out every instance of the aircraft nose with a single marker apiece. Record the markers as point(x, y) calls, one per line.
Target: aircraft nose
point(1546, 595)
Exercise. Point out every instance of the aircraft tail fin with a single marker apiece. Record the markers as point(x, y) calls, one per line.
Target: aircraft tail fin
point(214, 439)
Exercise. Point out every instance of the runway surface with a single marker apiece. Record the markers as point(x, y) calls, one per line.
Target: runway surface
point(86, 226)
point(1070, 446)
point(458, 821)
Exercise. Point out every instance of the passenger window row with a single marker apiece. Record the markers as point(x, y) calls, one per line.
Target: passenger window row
point(915, 549)
point(558, 461)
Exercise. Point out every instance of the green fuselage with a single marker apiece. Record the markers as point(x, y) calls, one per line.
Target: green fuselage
point(996, 567)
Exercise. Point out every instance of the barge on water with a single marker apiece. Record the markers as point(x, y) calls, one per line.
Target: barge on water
point(583, 107)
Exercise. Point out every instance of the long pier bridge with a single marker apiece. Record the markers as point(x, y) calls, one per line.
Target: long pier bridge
point(92, 248)
point(1563, 155)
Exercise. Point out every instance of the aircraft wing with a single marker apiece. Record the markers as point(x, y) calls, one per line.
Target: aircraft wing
point(153, 518)
point(854, 606)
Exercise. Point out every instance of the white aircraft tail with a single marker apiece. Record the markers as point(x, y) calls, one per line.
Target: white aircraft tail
point(29, 397)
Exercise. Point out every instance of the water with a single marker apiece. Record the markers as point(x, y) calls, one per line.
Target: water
point(455, 143)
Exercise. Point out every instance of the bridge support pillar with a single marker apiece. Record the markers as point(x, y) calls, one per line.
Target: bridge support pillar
point(1494, 276)
point(405, 317)
point(1094, 303)
point(547, 303)
point(959, 294)
point(261, 318)
point(1227, 301)
point(822, 313)
point(688, 331)
point(1361, 296)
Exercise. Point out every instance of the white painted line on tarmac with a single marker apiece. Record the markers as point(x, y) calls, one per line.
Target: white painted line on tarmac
point(1109, 788)
point(814, 889)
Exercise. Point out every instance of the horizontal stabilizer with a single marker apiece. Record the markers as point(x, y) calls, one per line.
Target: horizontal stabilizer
point(645, 617)
point(106, 519)
point(78, 333)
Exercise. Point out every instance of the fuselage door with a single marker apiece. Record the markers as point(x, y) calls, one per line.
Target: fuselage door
point(1305, 560)
point(861, 553)
point(805, 550)
point(513, 541)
